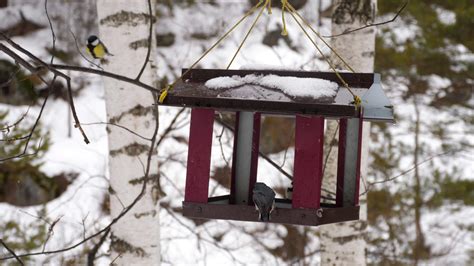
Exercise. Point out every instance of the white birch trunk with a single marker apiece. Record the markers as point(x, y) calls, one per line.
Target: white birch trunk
point(124, 29)
point(344, 243)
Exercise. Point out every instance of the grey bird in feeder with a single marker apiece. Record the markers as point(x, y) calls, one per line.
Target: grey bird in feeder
point(264, 199)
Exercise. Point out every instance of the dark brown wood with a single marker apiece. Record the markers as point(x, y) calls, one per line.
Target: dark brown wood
point(279, 215)
point(192, 92)
point(234, 159)
point(254, 160)
point(355, 80)
point(341, 153)
point(275, 107)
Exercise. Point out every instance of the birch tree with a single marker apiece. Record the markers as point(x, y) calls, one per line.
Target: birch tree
point(125, 29)
point(344, 243)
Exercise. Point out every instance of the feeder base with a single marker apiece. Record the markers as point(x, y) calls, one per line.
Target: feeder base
point(219, 208)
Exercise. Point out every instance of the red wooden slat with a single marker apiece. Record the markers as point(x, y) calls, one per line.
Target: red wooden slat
point(254, 160)
point(232, 199)
point(308, 165)
point(199, 155)
point(340, 161)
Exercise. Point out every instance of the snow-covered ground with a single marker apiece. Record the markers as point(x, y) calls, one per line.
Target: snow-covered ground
point(215, 242)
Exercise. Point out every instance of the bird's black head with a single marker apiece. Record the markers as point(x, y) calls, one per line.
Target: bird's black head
point(92, 39)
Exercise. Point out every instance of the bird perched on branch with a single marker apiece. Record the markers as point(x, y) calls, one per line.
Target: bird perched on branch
point(264, 199)
point(96, 48)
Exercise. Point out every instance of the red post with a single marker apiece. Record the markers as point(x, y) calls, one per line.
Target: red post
point(254, 160)
point(341, 162)
point(199, 155)
point(308, 164)
point(233, 178)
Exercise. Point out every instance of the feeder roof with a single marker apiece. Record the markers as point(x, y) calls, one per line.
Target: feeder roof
point(268, 91)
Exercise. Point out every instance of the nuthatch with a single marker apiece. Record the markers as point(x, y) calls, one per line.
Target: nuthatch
point(264, 199)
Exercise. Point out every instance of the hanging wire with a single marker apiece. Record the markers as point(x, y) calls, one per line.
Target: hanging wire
point(248, 33)
point(357, 101)
point(284, 4)
point(169, 87)
point(292, 9)
point(294, 13)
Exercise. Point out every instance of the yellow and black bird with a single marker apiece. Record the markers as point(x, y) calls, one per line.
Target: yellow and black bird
point(96, 48)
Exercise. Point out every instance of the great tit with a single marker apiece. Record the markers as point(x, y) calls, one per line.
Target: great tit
point(96, 48)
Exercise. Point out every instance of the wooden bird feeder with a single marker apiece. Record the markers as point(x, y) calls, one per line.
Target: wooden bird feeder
point(305, 207)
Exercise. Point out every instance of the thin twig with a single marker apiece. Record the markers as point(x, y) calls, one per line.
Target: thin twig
point(349, 31)
point(51, 231)
point(330, 148)
point(105, 74)
point(409, 170)
point(219, 137)
point(118, 217)
point(91, 255)
point(53, 35)
point(8, 127)
point(150, 38)
point(42, 64)
point(119, 126)
point(33, 128)
point(170, 127)
point(118, 256)
point(11, 252)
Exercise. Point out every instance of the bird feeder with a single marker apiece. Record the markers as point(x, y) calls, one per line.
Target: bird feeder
point(305, 207)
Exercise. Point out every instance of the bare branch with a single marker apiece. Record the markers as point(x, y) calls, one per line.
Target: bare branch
point(118, 217)
point(53, 35)
point(106, 74)
point(170, 127)
point(33, 128)
point(12, 252)
point(8, 127)
point(150, 37)
point(91, 255)
point(410, 169)
point(349, 31)
point(51, 231)
point(42, 64)
point(330, 148)
point(119, 126)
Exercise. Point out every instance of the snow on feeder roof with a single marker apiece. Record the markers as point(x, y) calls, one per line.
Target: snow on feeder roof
point(282, 92)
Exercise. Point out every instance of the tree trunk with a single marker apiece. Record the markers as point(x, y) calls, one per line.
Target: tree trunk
point(344, 243)
point(419, 248)
point(124, 28)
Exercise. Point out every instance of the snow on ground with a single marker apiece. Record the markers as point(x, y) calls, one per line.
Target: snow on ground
point(183, 242)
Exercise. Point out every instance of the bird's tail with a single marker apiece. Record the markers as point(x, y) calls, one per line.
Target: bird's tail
point(265, 217)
